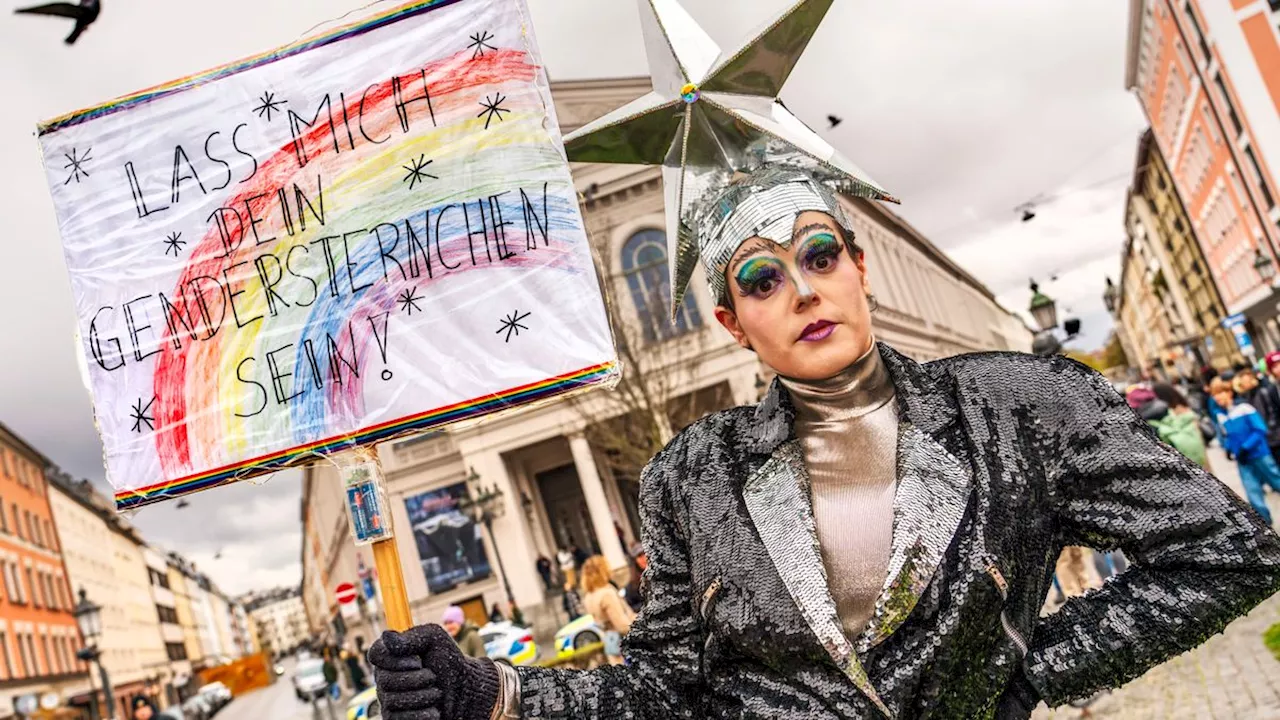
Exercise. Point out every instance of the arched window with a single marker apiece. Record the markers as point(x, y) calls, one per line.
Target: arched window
point(644, 263)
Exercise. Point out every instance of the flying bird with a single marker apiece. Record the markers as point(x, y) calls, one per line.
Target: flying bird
point(84, 13)
point(834, 121)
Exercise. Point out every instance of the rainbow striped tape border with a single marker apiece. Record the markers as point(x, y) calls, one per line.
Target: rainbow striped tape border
point(176, 86)
point(516, 397)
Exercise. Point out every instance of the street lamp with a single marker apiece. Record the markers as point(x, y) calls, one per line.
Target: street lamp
point(1265, 266)
point(89, 618)
point(1043, 308)
point(1111, 297)
point(485, 506)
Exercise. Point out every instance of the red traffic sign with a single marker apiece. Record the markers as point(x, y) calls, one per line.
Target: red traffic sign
point(346, 593)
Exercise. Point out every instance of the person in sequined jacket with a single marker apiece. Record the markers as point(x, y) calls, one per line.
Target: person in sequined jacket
point(876, 537)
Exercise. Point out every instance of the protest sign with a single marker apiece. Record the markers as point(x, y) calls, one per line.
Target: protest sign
point(367, 233)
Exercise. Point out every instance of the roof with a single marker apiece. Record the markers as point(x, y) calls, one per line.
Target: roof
point(15, 439)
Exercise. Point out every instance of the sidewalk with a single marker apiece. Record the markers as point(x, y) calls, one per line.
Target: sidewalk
point(1230, 677)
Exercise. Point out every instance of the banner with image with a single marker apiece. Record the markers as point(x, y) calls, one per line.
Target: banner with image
point(367, 233)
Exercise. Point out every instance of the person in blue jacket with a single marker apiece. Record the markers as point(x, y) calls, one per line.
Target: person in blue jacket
point(1244, 436)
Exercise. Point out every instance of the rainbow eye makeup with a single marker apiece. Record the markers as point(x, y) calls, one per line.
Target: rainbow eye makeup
point(819, 252)
point(759, 276)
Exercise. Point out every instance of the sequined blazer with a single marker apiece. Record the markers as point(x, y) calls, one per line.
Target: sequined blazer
point(1003, 459)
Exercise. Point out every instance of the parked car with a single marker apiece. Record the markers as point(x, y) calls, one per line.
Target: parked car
point(308, 680)
point(578, 634)
point(365, 706)
point(217, 693)
point(510, 642)
point(197, 708)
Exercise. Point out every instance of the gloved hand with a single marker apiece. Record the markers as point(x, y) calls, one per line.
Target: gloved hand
point(422, 675)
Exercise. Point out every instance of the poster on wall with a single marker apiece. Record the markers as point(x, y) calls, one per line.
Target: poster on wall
point(450, 544)
point(370, 232)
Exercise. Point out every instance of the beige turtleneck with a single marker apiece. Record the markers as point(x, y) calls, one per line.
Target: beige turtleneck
point(848, 428)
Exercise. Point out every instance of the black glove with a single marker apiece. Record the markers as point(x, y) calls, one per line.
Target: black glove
point(1019, 700)
point(422, 675)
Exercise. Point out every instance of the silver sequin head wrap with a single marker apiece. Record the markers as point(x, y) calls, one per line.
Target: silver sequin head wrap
point(764, 204)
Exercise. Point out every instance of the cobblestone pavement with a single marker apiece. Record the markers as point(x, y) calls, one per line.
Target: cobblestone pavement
point(1230, 677)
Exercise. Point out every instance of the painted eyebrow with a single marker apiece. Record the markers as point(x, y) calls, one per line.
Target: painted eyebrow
point(759, 247)
point(802, 232)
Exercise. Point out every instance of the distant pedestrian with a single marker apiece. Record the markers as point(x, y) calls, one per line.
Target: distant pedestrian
point(579, 557)
point(330, 669)
point(605, 605)
point(572, 603)
point(495, 615)
point(143, 708)
point(1177, 424)
point(567, 572)
point(1245, 438)
point(463, 632)
point(544, 571)
point(355, 671)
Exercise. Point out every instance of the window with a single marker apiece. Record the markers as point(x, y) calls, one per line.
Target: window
point(46, 592)
point(644, 263)
point(1226, 98)
point(58, 588)
point(31, 583)
point(177, 651)
point(48, 656)
point(27, 517)
point(10, 591)
point(17, 521)
point(167, 615)
point(64, 651)
point(1195, 30)
point(22, 655)
point(49, 537)
point(35, 528)
point(36, 667)
point(8, 463)
point(8, 660)
point(1257, 174)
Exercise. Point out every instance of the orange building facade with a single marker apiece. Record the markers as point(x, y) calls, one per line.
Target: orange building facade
point(38, 633)
point(1207, 73)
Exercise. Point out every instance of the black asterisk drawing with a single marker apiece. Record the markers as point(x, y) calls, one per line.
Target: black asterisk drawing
point(511, 325)
point(416, 171)
point(480, 41)
point(409, 301)
point(269, 104)
point(75, 163)
point(140, 416)
point(493, 108)
point(175, 243)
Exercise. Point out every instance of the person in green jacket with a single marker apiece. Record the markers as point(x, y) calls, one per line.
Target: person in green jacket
point(465, 634)
point(1167, 410)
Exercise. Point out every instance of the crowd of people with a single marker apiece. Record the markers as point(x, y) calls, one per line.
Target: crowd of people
point(1239, 408)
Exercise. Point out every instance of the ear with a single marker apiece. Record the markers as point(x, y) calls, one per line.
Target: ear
point(729, 321)
point(860, 260)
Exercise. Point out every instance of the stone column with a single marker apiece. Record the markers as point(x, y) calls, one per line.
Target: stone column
point(511, 536)
point(597, 504)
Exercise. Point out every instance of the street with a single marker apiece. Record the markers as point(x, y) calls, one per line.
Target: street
point(1230, 676)
point(278, 702)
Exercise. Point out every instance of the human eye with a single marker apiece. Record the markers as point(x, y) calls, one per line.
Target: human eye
point(759, 278)
point(821, 253)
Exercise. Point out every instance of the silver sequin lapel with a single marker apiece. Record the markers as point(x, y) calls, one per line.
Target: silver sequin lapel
point(778, 498)
point(933, 490)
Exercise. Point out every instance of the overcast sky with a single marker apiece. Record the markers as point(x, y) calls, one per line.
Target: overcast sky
point(962, 109)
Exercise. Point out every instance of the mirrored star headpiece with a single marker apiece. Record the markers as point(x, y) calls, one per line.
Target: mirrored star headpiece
point(711, 117)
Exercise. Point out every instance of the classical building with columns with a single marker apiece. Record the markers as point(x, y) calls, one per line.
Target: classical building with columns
point(558, 489)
